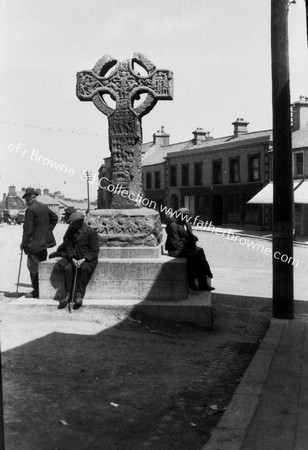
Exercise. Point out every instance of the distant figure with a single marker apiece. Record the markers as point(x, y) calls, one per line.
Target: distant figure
point(81, 254)
point(67, 213)
point(37, 235)
point(181, 243)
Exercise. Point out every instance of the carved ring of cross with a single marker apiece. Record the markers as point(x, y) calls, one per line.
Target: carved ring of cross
point(124, 84)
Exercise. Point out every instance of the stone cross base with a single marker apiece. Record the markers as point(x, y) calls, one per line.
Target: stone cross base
point(163, 278)
point(138, 227)
point(155, 287)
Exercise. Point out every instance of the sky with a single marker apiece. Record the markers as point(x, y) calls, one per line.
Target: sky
point(219, 52)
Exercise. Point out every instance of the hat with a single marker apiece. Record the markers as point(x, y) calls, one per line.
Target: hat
point(76, 216)
point(183, 211)
point(30, 191)
point(70, 210)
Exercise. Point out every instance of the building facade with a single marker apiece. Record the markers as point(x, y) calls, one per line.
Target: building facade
point(226, 180)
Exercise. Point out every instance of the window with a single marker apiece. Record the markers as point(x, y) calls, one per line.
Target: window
point(173, 175)
point(202, 207)
point(233, 208)
point(198, 173)
point(185, 174)
point(298, 164)
point(254, 168)
point(234, 170)
point(217, 173)
point(174, 202)
point(157, 180)
point(148, 180)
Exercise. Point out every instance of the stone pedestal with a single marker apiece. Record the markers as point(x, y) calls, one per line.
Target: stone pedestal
point(136, 227)
point(162, 278)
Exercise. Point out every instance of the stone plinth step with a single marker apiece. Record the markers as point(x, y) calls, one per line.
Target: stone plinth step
point(196, 309)
point(163, 278)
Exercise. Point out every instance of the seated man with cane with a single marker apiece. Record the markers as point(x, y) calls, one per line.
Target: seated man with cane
point(81, 255)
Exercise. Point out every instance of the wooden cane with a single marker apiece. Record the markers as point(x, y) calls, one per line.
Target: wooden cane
point(73, 291)
point(21, 253)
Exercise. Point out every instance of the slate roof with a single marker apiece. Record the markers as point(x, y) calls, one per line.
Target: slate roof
point(83, 205)
point(156, 154)
point(47, 200)
point(300, 138)
point(230, 141)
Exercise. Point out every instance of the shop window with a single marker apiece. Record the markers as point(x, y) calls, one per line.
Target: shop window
point(233, 208)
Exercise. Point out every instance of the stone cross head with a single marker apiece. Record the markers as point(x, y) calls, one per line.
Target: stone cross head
point(122, 82)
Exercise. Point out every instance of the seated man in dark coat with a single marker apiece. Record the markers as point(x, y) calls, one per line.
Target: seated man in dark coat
point(181, 243)
point(81, 254)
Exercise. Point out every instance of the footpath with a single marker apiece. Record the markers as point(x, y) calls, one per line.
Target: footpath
point(269, 410)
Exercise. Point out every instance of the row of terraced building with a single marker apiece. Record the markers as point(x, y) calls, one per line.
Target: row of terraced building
point(226, 180)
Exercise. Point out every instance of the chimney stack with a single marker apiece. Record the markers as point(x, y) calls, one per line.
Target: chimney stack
point(160, 137)
point(46, 191)
point(240, 127)
point(12, 190)
point(299, 111)
point(200, 135)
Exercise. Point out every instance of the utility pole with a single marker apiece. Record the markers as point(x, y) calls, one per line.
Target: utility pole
point(89, 177)
point(306, 3)
point(283, 300)
point(1, 411)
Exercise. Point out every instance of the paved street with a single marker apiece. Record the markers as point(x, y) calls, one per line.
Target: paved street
point(238, 270)
point(98, 379)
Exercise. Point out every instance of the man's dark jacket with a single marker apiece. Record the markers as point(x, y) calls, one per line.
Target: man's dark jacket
point(82, 243)
point(37, 228)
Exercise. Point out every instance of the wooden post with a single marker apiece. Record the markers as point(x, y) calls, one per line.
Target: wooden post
point(1, 409)
point(306, 3)
point(282, 165)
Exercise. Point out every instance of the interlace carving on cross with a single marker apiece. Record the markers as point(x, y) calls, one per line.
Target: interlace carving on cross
point(125, 85)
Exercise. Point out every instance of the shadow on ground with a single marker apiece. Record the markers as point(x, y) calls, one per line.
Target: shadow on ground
point(100, 379)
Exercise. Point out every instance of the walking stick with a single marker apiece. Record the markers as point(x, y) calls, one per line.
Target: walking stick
point(73, 291)
point(21, 253)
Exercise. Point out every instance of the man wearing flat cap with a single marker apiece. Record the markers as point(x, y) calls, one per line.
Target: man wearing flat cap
point(81, 254)
point(37, 235)
point(68, 212)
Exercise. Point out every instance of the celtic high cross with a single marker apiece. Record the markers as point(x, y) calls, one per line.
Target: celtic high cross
point(125, 85)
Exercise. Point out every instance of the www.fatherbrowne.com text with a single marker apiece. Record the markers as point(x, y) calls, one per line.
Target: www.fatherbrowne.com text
point(139, 199)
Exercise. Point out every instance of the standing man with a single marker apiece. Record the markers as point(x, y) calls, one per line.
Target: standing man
point(37, 235)
point(81, 254)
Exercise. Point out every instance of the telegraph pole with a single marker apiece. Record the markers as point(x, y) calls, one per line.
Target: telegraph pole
point(283, 300)
point(89, 177)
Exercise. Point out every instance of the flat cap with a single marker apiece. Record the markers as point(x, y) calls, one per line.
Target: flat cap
point(70, 210)
point(76, 216)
